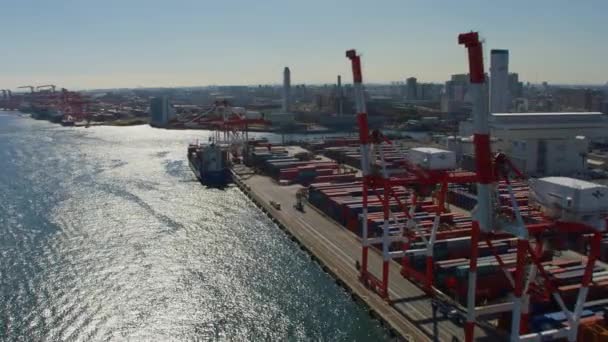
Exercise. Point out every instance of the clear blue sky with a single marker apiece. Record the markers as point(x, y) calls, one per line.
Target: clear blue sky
point(129, 43)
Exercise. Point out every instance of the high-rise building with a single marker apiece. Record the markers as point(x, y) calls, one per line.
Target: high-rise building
point(429, 91)
point(499, 81)
point(286, 90)
point(160, 111)
point(515, 87)
point(339, 96)
point(412, 88)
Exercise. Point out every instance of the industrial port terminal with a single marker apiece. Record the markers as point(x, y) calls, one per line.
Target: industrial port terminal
point(397, 171)
point(436, 252)
point(492, 231)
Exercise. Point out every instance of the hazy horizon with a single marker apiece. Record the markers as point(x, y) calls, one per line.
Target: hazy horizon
point(278, 85)
point(119, 44)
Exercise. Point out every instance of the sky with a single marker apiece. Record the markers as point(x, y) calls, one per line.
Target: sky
point(84, 44)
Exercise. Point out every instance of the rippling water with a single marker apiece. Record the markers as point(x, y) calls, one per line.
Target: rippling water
point(105, 235)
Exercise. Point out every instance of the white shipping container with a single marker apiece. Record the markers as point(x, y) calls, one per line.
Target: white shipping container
point(570, 199)
point(571, 194)
point(432, 158)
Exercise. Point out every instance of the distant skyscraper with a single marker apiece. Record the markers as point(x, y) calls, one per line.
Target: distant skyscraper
point(499, 81)
point(339, 95)
point(515, 87)
point(286, 90)
point(457, 87)
point(428, 91)
point(160, 111)
point(412, 88)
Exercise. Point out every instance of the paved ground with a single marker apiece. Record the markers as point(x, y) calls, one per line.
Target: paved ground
point(410, 310)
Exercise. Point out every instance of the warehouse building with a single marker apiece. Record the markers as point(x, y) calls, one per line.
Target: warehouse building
point(540, 144)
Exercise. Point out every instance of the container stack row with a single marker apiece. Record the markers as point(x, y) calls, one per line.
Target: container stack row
point(350, 155)
point(464, 197)
point(276, 162)
point(580, 243)
point(451, 252)
point(321, 145)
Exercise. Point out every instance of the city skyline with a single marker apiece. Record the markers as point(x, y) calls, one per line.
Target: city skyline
point(192, 43)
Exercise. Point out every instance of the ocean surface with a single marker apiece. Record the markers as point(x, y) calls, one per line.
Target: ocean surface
point(106, 236)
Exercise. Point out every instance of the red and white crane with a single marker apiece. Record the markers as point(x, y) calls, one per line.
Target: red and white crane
point(383, 187)
point(490, 220)
point(230, 128)
point(74, 105)
point(530, 236)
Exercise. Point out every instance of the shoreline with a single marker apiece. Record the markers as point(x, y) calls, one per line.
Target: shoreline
point(145, 121)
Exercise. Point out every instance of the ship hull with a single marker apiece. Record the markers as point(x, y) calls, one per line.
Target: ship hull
point(46, 114)
point(218, 178)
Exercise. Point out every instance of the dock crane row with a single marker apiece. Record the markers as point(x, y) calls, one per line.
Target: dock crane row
point(532, 231)
point(71, 106)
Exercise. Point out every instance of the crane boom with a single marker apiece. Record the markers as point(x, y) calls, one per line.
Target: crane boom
point(31, 88)
point(52, 86)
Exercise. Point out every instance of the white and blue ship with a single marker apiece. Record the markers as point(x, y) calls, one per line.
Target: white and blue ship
point(210, 163)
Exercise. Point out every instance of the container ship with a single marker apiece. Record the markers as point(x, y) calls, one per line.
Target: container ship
point(46, 113)
point(210, 163)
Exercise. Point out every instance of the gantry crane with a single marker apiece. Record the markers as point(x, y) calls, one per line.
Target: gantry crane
point(74, 105)
point(46, 86)
point(31, 88)
point(529, 272)
point(490, 220)
point(383, 187)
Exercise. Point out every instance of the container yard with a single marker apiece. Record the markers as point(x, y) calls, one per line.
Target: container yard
point(305, 171)
point(340, 204)
point(408, 317)
point(435, 252)
point(336, 205)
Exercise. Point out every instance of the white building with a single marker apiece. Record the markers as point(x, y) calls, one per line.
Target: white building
point(540, 144)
